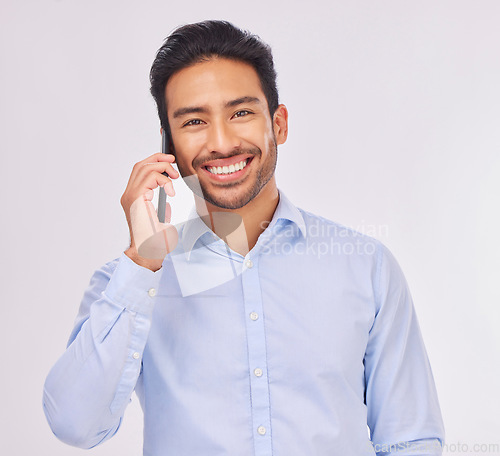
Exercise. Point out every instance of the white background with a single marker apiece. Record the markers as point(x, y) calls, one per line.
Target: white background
point(394, 130)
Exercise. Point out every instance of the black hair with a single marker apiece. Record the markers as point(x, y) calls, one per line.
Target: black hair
point(194, 43)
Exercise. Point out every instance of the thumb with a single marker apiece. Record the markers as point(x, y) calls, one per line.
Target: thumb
point(154, 240)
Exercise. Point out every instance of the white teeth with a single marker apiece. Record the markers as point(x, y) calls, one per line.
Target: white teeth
point(228, 169)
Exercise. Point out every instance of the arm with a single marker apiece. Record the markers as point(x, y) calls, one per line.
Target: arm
point(88, 389)
point(403, 410)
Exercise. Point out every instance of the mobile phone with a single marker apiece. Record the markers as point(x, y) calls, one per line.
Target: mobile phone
point(162, 196)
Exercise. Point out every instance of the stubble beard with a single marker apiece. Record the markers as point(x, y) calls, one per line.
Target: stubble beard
point(223, 199)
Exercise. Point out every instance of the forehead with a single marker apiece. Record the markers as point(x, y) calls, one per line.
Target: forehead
point(213, 82)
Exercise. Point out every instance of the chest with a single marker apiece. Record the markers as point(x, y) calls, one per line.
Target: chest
point(297, 314)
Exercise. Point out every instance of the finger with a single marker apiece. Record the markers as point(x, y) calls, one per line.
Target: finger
point(152, 181)
point(155, 158)
point(141, 183)
point(153, 217)
point(152, 238)
point(144, 221)
point(168, 213)
point(169, 188)
point(159, 167)
point(159, 157)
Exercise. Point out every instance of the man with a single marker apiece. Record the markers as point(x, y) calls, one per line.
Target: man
point(264, 330)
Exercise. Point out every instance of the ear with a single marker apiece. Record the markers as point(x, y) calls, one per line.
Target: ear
point(280, 124)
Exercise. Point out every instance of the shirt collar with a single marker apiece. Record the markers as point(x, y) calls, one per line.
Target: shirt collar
point(195, 228)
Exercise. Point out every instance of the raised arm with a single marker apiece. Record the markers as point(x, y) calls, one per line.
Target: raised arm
point(88, 389)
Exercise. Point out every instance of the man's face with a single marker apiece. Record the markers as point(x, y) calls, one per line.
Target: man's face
point(222, 131)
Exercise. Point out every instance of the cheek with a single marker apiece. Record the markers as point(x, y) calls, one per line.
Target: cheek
point(258, 133)
point(186, 149)
point(270, 134)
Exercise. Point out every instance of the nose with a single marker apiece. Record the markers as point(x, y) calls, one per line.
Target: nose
point(222, 138)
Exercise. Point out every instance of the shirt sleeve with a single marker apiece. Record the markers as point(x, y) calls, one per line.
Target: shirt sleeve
point(86, 392)
point(404, 416)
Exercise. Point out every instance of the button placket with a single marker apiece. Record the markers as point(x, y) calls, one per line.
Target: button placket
point(257, 355)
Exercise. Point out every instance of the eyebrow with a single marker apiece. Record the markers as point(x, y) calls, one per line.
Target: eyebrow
point(202, 109)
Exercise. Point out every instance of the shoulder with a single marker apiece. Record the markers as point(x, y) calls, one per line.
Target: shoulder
point(323, 229)
point(360, 250)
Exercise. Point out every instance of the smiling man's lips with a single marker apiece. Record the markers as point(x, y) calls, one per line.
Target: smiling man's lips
point(232, 175)
point(228, 161)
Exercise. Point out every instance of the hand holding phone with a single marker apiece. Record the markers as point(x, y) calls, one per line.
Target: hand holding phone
point(152, 237)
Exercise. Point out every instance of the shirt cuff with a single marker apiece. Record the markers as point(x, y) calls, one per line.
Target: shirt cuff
point(133, 286)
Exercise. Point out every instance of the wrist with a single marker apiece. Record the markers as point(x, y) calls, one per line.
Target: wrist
point(153, 265)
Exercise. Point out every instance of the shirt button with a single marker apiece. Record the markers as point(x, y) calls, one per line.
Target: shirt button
point(254, 316)
point(249, 264)
point(261, 430)
point(152, 292)
point(258, 372)
point(136, 355)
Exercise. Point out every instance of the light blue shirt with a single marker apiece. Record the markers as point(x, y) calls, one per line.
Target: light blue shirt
point(291, 350)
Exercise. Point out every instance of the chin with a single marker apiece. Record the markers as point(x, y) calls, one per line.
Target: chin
point(235, 197)
point(235, 202)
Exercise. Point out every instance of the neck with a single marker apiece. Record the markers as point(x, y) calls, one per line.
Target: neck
point(241, 228)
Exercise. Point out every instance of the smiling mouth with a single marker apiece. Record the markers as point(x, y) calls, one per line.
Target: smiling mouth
point(231, 169)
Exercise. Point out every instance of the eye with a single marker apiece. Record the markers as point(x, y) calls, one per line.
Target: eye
point(242, 113)
point(193, 122)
